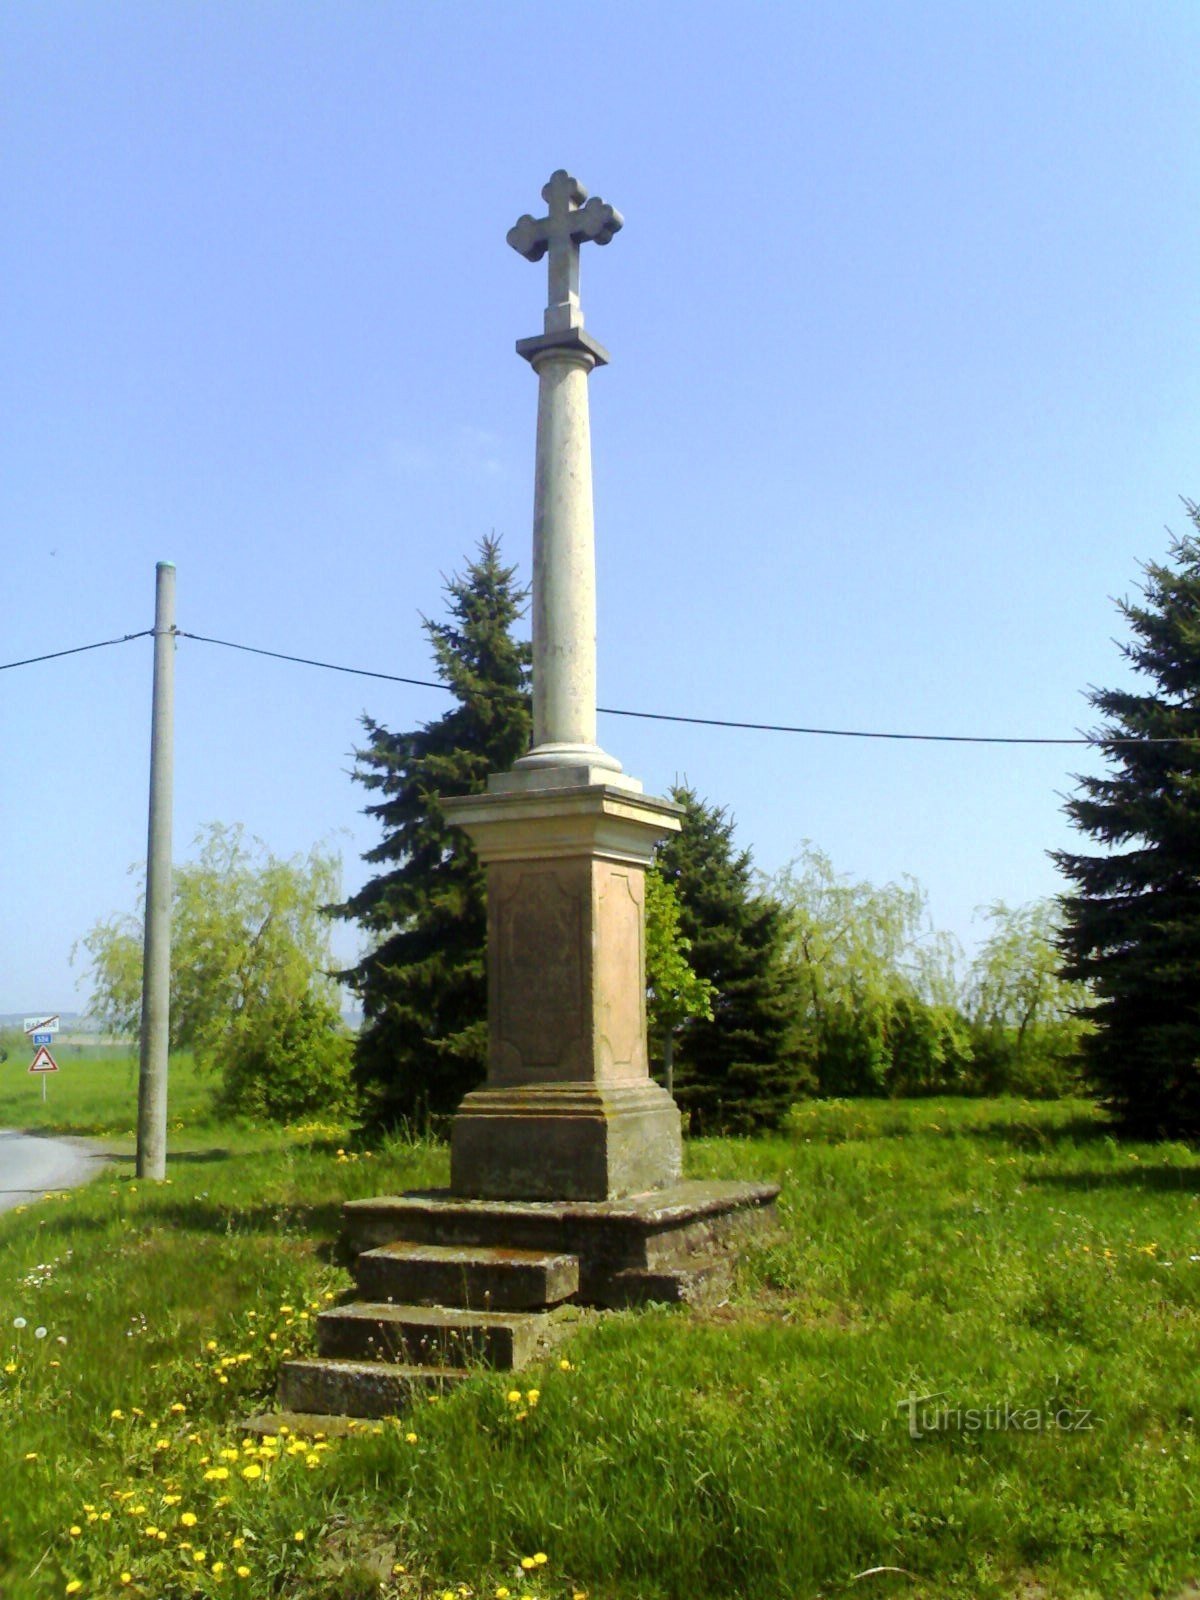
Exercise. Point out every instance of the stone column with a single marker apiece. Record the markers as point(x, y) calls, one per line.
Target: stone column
point(569, 1111)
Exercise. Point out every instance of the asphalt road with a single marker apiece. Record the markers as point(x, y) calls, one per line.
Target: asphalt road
point(30, 1165)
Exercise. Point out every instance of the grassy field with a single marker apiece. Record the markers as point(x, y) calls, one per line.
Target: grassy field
point(991, 1254)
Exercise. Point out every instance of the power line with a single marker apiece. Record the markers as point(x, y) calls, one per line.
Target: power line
point(706, 722)
point(618, 711)
point(101, 644)
point(307, 661)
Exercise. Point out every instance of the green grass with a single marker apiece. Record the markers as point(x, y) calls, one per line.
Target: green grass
point(990, 1252)
point(94, 1091)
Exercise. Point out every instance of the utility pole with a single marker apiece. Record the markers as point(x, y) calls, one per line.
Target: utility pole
point(156, 963)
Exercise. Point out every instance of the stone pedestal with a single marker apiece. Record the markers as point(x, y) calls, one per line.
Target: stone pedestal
point(569, 1111)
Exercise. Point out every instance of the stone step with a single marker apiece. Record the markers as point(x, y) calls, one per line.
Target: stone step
point(700, 1281)
point(316, 1388)
point(686, 1219)
point(473, 1278)
point(437, 1336)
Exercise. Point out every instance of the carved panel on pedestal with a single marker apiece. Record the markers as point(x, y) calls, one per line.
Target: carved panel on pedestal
point(540, 975)
point(621, 971)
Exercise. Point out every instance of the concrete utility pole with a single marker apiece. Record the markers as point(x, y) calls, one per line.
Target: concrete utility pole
point(156, 965)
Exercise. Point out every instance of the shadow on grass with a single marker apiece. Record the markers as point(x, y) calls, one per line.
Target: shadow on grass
point(1174, 1180)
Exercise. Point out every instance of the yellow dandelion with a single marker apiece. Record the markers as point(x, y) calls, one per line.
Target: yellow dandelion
point(178, 1407)
point(216, 1474)
point(410, 1438)
point(211, 1345)
point(513, 1397)
point(10, 1367)
point(534, 1396)
point(540, 1558)
point(199, 1557)
point(501, 1593)
point(243, 1572)
point(127, 1577)
point(74, 1530)
point(398, 1567)
point(528, 1563)
point(188, 1519)
point(117, 1416)
point(565, 1366)
point(75, 1585)
point(252, 1471)
point(298, 1536)
point(238, 1543)
point(312, 1461)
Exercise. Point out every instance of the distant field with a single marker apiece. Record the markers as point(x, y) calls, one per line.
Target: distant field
point(94, 1091)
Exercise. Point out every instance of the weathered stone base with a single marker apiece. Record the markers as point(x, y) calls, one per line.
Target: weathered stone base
point(449, 1283)
point(565, 1141)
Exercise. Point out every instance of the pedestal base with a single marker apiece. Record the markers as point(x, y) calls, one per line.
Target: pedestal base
point(565, 1141)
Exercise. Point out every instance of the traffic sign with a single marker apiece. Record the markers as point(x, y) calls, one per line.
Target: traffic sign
point(42, 1024)
point(41, 1038)
point(43, 1061)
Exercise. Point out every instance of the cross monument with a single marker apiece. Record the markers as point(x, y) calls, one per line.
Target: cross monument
point(569, 1110)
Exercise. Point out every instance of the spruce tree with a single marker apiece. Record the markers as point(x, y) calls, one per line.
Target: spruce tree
point(1133, 922)
point(742, 1068)
point(422, 983)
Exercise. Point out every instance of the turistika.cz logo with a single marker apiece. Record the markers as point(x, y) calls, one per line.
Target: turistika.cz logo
point(932, 1413)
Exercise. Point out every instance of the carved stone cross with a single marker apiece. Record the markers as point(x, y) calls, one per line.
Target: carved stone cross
point(561, 233)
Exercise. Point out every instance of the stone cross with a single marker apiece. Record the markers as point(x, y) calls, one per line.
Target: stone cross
point(569, 224)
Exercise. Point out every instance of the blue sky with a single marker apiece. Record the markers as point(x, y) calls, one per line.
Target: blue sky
point(904, 337)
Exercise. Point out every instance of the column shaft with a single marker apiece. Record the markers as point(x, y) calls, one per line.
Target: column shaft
point(564, 560)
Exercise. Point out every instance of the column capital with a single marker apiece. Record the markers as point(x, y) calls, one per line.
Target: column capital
point(571, 342)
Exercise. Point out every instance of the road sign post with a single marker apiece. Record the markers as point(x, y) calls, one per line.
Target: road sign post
point(42, 1064)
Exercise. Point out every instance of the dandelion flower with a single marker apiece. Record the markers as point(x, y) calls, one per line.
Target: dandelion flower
point(31, 1455)
point(117, 1416)
point(528, 1563)
point(565, 1366)
point(540, 1558)
point(19, 1322)
point(216, 1474)
point(534, 1396)
point(398, 1566)
point(252, 1471)
point(410, 1438)
point(513, 1397)
point(10, 1367)
point(243, 1572)
point(298, 1536)
point(74, 1530)
point(188, 1519)
point(127, 1577)
point(217, 1568)
point(501, 1593)
point(75, 1585)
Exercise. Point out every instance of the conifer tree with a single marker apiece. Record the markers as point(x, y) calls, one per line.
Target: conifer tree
point(422, 983)
point(1133, 921)
point(742, 1068)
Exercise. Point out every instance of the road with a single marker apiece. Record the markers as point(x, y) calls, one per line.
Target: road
point(30, 1165)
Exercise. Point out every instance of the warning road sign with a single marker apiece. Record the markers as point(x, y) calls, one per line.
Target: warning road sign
point(43, 1061)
